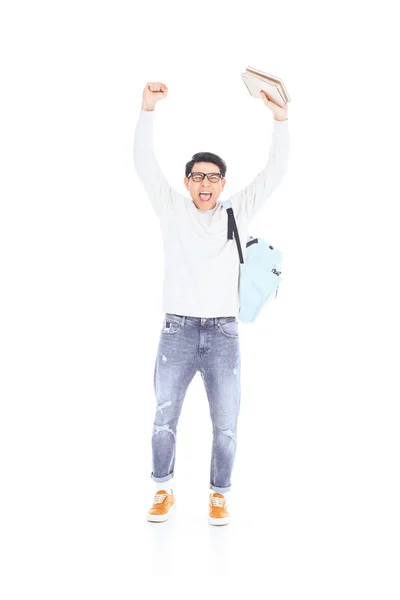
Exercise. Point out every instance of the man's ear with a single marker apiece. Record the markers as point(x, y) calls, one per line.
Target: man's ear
point(185, 181)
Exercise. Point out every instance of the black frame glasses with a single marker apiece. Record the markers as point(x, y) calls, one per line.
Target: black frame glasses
point(205, 175)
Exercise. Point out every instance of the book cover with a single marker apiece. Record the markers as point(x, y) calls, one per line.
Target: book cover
point(255, 85)
point(275, 85)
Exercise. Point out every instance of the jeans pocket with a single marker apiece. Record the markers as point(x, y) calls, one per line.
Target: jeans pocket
point(229, 329)
point(169, 326)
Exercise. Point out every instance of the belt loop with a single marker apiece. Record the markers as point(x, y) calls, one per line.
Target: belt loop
point(183, 320)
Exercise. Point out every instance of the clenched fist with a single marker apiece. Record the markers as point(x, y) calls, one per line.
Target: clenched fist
point(152, 93)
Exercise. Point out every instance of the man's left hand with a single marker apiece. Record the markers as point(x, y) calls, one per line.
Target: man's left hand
point(280, 113)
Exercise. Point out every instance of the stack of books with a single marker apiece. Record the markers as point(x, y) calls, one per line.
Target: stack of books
point(274, 87)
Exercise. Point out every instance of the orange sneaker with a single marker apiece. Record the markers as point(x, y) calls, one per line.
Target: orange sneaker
point(218, 514)
point(162, 508)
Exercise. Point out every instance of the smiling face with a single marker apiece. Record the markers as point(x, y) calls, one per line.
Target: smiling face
point(196, 189)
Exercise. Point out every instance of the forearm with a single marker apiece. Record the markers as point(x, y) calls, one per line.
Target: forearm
point(143, 153)
point(255, 195)
point(146, 165)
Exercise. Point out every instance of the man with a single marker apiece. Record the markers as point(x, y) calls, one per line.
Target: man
point(200, 298)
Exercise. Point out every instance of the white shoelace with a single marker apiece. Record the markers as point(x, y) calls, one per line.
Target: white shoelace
point(159, 498)
point(215, 501)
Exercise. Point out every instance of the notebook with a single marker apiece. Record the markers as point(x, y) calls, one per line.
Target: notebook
point(274, 87)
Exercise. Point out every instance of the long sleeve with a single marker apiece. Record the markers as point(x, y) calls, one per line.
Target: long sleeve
point(254, 196)
point(157, 187)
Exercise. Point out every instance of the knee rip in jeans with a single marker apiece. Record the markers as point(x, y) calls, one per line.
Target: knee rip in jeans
point(228, 432)
point(161, 406)
point(158, 428)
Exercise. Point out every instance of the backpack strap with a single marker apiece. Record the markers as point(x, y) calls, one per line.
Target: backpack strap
point(232, 227)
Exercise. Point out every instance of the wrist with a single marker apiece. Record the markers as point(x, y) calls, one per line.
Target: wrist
point(147, 107)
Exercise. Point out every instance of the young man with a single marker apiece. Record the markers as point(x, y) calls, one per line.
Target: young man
point(200, 297)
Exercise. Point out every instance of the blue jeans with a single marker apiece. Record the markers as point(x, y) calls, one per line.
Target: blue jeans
point(188, 345)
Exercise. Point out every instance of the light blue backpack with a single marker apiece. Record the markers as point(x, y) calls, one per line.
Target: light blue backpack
point(260, 272)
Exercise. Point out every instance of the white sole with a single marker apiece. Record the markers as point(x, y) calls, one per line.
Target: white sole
point(161, 518)
point(220, 521)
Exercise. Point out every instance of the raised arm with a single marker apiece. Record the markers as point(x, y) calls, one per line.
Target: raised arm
point(148, 170)
point(254, 196)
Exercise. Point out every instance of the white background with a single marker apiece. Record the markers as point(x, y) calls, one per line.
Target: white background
point(315, 489)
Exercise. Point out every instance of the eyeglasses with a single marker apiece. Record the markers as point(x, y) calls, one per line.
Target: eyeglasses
point(213, 177)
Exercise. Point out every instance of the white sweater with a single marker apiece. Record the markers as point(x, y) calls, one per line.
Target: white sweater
point(201, 266)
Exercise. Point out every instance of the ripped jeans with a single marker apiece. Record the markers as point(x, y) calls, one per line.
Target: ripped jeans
point(188, 345)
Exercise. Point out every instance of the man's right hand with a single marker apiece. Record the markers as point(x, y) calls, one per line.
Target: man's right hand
point(152, 93)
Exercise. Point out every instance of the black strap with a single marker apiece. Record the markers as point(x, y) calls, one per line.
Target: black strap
point(232, 227)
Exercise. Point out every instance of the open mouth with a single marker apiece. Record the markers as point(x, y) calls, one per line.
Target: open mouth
point(205, 197)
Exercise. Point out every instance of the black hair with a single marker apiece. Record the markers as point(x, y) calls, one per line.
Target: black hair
point(206, 157)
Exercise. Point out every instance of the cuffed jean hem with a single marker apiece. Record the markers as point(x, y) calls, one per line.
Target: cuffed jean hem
point(162, 479)
point(221, 490)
